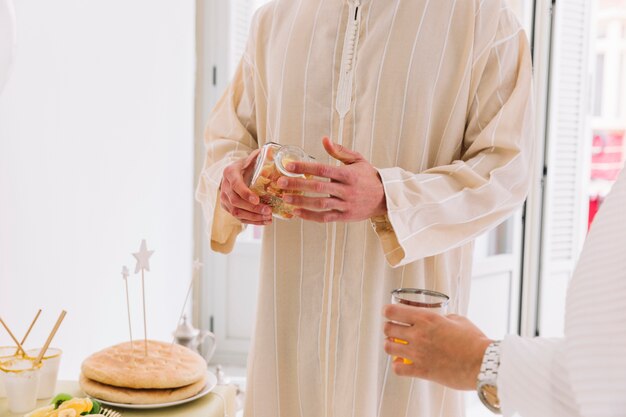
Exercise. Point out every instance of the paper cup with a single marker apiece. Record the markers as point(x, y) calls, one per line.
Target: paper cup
point(49, 371)
point(6, 353)
point(21, 379)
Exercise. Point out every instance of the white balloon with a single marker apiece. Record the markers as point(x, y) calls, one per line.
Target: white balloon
point(8, 39)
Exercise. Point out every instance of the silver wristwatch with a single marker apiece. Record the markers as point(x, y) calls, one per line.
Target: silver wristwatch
point(487, 381)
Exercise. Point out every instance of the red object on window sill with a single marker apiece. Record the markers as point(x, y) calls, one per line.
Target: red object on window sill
point(594, 205)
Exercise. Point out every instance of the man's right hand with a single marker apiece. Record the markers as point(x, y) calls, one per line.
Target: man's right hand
point(237, 199)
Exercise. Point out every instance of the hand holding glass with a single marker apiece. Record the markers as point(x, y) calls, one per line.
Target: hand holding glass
point(433, 300)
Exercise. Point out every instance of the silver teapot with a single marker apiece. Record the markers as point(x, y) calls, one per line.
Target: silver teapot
point(192, 338)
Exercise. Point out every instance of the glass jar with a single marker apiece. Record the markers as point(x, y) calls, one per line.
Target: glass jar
point(270, 166)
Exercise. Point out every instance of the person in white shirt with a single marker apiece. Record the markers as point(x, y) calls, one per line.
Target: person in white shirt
point(581, 374)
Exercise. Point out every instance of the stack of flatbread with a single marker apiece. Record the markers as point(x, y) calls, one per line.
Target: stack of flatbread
point(124, 374)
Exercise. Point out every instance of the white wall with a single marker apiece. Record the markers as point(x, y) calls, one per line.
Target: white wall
point(96, 153)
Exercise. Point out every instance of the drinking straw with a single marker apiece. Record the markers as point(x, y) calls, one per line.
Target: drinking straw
point(54, 331)
point(18, 344)
point(30, 328)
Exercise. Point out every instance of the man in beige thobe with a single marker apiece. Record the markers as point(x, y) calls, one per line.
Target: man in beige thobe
point(428, 105)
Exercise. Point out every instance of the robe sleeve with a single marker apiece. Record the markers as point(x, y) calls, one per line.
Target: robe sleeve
point(446, 206)
point(533, 380)
point(230, 135)
point(582, 374)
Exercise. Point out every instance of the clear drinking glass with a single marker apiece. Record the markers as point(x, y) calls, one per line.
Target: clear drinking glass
point(6, 353)
point(270, 166)
point(21, 379)
point(49, 370)
point(415, 297)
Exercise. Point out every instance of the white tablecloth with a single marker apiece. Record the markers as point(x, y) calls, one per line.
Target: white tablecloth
point(211, 405)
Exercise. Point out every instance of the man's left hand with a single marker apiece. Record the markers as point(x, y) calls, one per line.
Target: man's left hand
point(355, 191)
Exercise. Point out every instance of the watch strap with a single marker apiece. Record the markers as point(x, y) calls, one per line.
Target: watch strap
point(487, 381)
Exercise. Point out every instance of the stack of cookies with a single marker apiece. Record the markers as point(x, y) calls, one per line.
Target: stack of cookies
point(124, 374)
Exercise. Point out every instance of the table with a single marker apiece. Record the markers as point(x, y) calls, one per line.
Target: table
point(211, 405)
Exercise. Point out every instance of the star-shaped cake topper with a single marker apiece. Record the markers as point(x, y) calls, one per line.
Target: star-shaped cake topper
point(143, 257)
point(125, 272)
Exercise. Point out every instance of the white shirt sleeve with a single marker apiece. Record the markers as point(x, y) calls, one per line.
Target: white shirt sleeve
point(582, 374)
point(532, 380)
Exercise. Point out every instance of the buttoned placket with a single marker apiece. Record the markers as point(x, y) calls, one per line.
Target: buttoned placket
point(343, 100)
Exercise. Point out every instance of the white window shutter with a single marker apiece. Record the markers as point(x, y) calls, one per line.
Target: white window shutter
point(241, 12)
point(567, 154)
point(227, 303)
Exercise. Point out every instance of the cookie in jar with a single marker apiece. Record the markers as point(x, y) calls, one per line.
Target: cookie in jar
point(270, 166)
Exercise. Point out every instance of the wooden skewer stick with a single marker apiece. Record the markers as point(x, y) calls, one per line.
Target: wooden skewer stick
point(29, 329)
point(145, 331)
point(143, 264)
point(130, 327)
point(50, 337)
point(18, 344)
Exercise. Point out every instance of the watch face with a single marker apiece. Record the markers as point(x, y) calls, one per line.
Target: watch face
point(490, 394)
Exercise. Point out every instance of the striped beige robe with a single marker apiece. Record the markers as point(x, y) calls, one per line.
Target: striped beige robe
point(582, 374)
point(436, 94)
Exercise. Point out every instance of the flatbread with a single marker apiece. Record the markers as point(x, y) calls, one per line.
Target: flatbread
point(166, 366)
point(138, 396)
